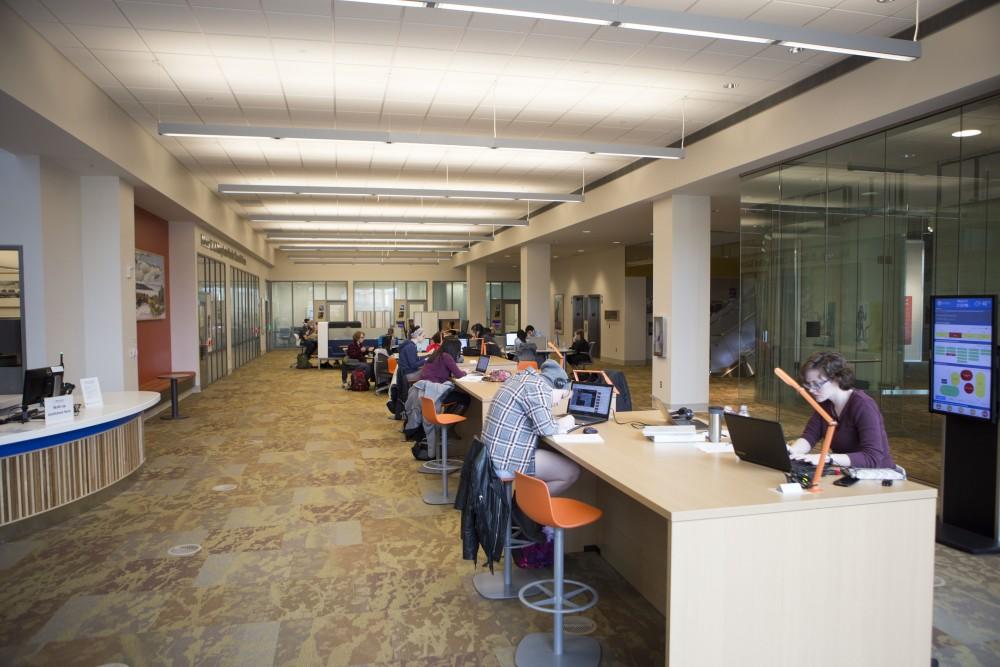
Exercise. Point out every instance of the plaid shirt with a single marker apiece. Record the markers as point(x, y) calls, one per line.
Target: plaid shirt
point(520, 412)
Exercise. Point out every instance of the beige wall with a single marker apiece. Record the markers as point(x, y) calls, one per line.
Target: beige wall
point(594, 273)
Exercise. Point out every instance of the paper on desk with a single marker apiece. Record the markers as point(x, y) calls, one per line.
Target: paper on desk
point(716, 447)
point(471, 378)
point(572, 438)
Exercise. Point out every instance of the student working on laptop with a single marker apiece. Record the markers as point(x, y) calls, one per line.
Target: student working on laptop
point(860, 440)
point(519, 414)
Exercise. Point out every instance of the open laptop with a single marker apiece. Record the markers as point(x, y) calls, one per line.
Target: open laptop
point(590, 403)
point(510, 339)
point(481, 365)
point(762, 441)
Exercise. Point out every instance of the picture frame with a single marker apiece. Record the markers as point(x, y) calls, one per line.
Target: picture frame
point(659, 336)
point(557, 319)
point(150, 292)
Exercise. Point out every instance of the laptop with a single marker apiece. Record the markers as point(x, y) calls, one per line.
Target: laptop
point(464, 342)
point(759, 441)
point(511, 339)
point(481, 365)
point(590, 403)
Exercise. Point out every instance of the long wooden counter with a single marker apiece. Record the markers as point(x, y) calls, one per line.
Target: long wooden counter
point(45, 467)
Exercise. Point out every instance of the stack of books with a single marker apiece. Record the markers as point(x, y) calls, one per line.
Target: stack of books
point(674, 434)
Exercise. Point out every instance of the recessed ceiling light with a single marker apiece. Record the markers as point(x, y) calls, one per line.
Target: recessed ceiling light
point(729, 85)
point(907, 156)
point(580, 250)
point(507, 256)
point(882, 2)
point(616, 242)
point(798, 49)
point(966, 133)
point(869, 194)
point(555, 256)
point(586, 231)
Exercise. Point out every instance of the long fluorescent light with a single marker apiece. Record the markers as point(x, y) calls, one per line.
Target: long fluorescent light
point(367, 246)
point(337, 191)
point(684, 23)
point(217, 131)
point(307, 236)
point(361, 220)
point(364, 260)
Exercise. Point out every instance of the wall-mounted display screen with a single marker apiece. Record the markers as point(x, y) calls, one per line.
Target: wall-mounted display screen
point(963, 342)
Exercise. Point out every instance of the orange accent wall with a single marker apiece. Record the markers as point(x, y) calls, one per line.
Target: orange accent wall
point(152, 234)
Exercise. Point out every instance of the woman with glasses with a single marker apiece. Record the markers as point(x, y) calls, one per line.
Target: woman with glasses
point(860, 440)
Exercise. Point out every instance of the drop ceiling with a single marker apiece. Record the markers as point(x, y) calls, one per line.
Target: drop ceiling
point(316, 63)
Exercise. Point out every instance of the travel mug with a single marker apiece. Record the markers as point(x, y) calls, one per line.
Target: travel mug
point(714, 423)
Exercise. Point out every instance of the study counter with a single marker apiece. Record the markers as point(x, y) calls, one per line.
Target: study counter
point(45, 467)
point(745, 575)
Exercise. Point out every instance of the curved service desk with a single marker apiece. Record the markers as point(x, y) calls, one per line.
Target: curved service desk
point(45, 467)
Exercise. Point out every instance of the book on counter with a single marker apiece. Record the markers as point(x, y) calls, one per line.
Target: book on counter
point(673, 433)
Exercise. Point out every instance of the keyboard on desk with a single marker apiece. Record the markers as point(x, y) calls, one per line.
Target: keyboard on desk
point(803, 471)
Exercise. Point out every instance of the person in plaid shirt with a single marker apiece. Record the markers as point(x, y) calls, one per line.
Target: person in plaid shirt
point(520, 413)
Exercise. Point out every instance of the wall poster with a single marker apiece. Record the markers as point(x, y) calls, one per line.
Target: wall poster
point(659, 333)
point(150, 295)
point(558, 315)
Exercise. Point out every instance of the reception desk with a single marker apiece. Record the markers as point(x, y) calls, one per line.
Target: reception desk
point(46, 467)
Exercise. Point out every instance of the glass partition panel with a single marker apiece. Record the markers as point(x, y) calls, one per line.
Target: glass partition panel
point(11, 321)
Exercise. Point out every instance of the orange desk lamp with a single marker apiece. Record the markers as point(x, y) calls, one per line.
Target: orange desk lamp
point(831, 426)
point(604, 376)
point(556, 351)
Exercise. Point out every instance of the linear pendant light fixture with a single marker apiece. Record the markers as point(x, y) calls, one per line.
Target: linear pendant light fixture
point(682, 23)
point(361, 220)
point(335, 191)
point(274, 237)
point(417, 139)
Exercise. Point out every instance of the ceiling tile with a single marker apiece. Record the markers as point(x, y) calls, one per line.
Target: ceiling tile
point(498, 22)
point(258, 101)
point(366, 32)
point(154, 96)
point(480, 63)
point(166, 41)
point(268, 116)
point(789, 13)
point(660, 56)
point(435, 16)
point(90, 66)
point(194, 72)
point(231, 22)
point(32, 11)
point(306, 79)
point(310, 103)
point(491, 41)
point(247, 5)
point(95, 12)
point(133, 68)
point(607, 52)
point(298, 26)
point(839, 21)
point(891, 26)
point(430, 36)
point(883, 8)
point(711, 63)
point(686, 42)
point(235, 46)
point(58, 35)
point(160, 17)
point(737, 48)
point(251, 76)
point(302, 50)
point(112, 39)
point(363, 54)
point(548, 46)
point(211, 98)
point(314, 7)
point(422, 58)
point(733, 9)
point(761, 68)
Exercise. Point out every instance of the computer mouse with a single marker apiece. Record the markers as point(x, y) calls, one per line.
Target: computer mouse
point(590, 430)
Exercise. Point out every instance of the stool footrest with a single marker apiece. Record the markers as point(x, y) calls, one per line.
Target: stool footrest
point(434, 466)
point(571, 589)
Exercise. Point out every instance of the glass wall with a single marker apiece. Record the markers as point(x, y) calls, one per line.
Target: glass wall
point(842, 250)
point(503, 305)
point(375, 302)
point(292, 302)
point(245, 290)
point(212, 338)
point(450, 296)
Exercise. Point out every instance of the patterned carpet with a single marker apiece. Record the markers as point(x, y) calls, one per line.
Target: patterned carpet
point(323, 554)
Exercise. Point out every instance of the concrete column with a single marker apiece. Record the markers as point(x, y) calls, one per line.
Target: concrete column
point(536, 276)
point(681, 276)
point(108, 246)
point(475, 292)
point(184, 298)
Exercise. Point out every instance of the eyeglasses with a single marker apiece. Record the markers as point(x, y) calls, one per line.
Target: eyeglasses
point(815, 386)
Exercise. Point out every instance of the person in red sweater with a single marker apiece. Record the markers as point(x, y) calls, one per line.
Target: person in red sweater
point(860, 440)
point(441, 367)
point(435, 343)
point(357, 353)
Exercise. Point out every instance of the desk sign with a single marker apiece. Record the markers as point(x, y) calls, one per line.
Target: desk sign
point(91, 388)
point(58, 410)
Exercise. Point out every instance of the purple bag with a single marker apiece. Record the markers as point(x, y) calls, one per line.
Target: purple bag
point(535, 556)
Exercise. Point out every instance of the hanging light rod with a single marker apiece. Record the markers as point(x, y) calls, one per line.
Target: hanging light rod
point(364, 260)
point(321, 236)
point(413, 138)
point(359, 247)
point(356, 220)
point(679, 23)
point(336, 191)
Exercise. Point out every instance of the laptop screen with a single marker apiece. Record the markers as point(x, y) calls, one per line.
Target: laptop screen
point(591, 400)
point(422, 345)
point(481, 365)
point(511, 339)
point(464, 342)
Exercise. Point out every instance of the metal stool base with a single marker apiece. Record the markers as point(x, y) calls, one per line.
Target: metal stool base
point(433, 467)
point(535, 650)
point(438, 498)
point(491, 587)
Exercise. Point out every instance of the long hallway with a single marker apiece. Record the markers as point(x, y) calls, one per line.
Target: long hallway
point(323, 554)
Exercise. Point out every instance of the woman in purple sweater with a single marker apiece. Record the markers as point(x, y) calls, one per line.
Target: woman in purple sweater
point(441, 367)
point(860, 440)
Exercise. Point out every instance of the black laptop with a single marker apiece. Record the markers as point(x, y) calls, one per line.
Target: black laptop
point(759, 441)
point(481, 366)
point(590, 403)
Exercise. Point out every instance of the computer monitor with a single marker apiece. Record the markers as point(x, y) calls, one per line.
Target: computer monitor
point(422, 345)
point(464, 342)
point(511, 339)
point(39, 384)
point(963, 340)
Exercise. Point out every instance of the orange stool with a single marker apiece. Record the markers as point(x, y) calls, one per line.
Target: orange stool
point(521, 365)
point(539, 648)
point(441, 421)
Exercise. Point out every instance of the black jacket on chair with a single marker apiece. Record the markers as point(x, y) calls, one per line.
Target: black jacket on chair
point(484, 506)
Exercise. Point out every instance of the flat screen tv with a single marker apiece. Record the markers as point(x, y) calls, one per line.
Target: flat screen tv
point(963, 349)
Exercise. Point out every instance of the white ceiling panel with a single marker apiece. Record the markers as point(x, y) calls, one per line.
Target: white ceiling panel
point(365, 31)
point(168, 41)
point(231, 22)
point(424, 36)
point(711, 63)
point(312, 7)
point(549, 46)
point(266, 116)
point(248, 5)
point(302, 50)
point(91, 12)
point(491, 41)
point(58, 35)
point(296, 26)
point(789, 13)
point(840, 21)
point(606, 52)
point(761, 68)
point(889, 27)
point(733, 9)
point(160, 17)
point(239, 46)
point(32, 11)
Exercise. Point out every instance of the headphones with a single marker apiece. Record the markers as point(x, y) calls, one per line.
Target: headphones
point(683, 414)
point(559, 383)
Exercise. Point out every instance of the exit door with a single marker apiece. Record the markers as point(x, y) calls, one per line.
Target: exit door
point(587, 316)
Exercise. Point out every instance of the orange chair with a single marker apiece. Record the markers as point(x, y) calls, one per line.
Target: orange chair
point(522, 365)
point(441, 421)
point(540, 648)
point(393, 362)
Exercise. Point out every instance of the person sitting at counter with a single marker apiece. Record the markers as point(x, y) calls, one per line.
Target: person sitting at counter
point(579, 350)
point(441, 367)
point(435, 343)
point(860, 440)
point(520, 413)
point(357, 353)
point(410, 362)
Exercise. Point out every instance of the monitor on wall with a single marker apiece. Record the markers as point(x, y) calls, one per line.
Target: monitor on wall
point(963, 356)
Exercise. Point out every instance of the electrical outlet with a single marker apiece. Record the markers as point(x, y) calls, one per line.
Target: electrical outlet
point(133, 353)
point(661, 384)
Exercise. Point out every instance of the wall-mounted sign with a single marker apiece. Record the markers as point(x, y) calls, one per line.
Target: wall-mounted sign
point(222, 249)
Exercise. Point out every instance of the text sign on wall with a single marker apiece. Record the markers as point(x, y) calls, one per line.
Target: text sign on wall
point(222, 249)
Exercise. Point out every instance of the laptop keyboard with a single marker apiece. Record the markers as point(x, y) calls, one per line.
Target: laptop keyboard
point(803, 472)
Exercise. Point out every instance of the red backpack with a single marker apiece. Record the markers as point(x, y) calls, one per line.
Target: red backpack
point(359, 380)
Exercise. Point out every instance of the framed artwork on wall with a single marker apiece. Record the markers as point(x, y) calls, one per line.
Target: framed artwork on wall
point(150, 293)
point(659, 336)
point(557, 319)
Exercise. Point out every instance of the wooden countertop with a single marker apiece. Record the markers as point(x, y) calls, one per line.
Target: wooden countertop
point(682, 483)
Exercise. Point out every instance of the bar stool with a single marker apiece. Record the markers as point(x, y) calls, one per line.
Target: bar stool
point(522, 365)
point(494, 586)
point(441, 422)
point(433, 467)
point(539, 648)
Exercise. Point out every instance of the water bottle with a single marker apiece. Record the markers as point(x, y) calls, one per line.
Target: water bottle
point(714, 423)
point(744, 411)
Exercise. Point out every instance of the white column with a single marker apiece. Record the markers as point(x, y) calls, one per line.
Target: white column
point(108, 246)
point(536, 275)
point(681, 275)
point(184, 299)
point(475, 292)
